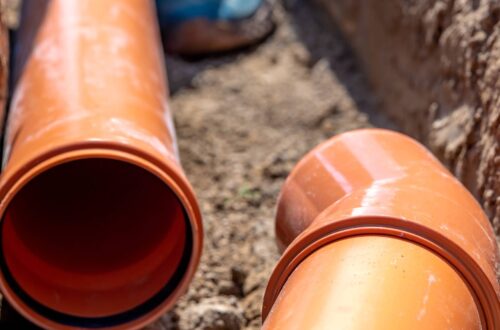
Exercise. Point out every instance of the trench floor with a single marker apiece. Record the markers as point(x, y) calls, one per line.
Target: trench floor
point(243, 121)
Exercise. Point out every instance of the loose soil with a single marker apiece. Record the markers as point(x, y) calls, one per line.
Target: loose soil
point(243, 121)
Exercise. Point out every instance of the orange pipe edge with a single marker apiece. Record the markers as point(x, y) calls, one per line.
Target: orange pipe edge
point(375, 188)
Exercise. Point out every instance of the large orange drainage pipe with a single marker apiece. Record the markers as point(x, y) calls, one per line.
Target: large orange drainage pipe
point(379, 235)
point(100, 227)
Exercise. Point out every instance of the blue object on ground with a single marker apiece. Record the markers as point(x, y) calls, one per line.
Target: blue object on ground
point(173, 12)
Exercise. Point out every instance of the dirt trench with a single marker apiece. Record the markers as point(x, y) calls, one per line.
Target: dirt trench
point(243, 121)
point(435, 64)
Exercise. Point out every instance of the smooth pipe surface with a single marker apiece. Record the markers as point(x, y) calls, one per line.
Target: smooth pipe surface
point(100, 227)
point(374, 282)
point(381, 183)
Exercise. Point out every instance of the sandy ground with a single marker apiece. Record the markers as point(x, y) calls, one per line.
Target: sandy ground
point(243, 121)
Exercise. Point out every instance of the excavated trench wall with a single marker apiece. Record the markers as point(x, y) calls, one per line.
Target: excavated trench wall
point(436, 67)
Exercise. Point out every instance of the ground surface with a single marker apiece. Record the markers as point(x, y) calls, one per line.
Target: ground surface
point(243, 121)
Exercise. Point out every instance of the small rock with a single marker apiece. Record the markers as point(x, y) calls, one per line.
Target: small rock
point(215, 313)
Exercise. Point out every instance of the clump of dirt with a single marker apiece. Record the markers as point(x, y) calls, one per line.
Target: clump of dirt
point(243, 121)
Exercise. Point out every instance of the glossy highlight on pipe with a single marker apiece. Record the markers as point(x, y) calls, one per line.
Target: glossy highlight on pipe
point(353, 205)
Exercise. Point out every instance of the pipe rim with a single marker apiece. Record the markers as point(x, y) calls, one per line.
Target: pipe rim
point(165, 170)
point(306, 244)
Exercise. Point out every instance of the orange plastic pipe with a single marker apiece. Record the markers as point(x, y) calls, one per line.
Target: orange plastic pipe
point(100, 227)
point(379, 235)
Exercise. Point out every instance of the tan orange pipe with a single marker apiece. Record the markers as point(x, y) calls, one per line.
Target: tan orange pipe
point(379, 235)
point(100, 227)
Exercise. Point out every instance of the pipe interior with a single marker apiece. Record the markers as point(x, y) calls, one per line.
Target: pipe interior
point(93, 237)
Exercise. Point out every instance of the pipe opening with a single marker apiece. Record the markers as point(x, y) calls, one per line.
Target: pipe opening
point(94, 238)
